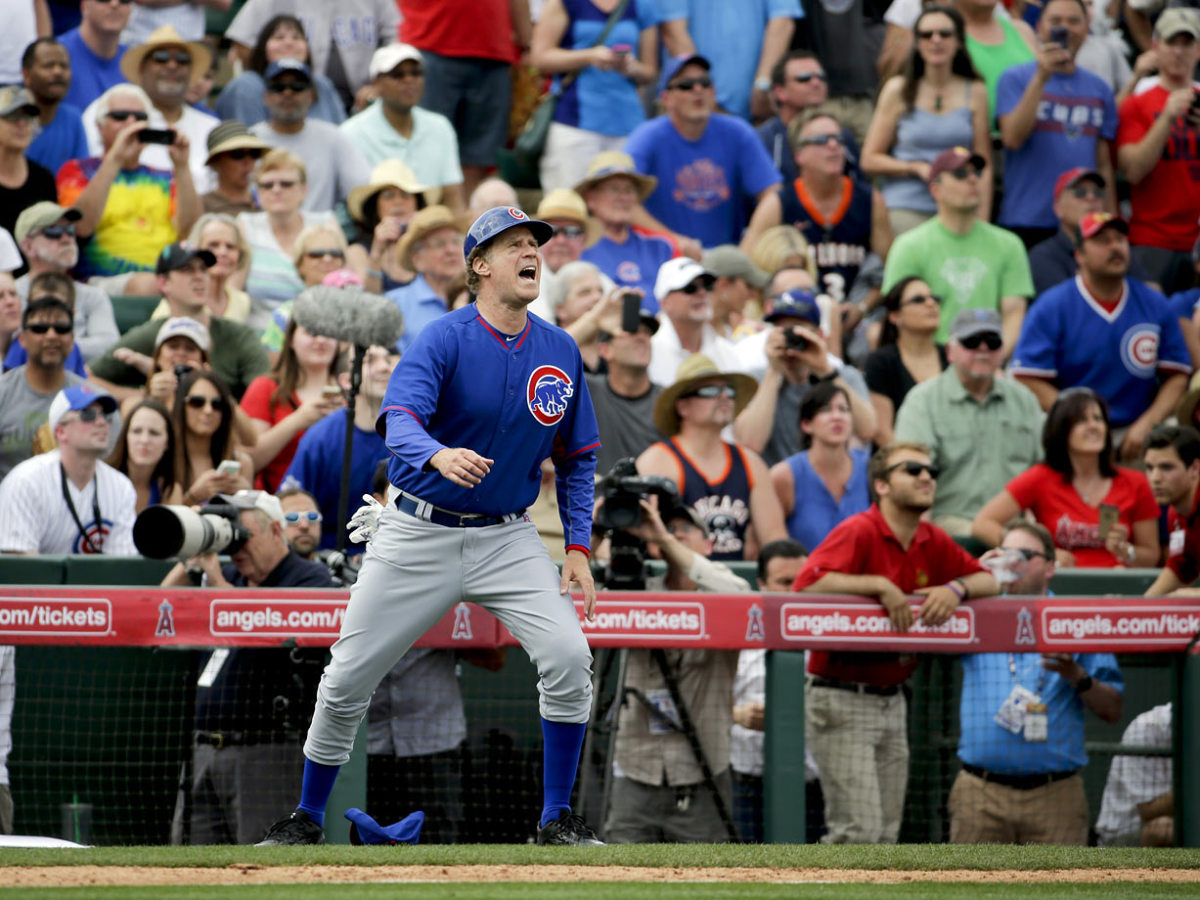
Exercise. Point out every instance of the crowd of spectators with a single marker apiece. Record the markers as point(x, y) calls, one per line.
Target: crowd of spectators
point(784, 234)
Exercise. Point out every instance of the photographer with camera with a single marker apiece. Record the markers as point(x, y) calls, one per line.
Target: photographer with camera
point(797, 356)
point(664, 793)
point(251, 705)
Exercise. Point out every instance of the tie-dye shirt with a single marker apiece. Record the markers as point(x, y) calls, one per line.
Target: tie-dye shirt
point(137, 219)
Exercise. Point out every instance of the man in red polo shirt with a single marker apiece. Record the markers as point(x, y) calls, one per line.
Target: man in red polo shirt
point(854, 708)
point(1173, 467)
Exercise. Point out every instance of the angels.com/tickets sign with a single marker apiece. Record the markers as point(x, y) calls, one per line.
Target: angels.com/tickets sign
point(152, 616)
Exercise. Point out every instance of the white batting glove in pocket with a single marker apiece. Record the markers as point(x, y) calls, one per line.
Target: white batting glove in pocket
point(365, 521)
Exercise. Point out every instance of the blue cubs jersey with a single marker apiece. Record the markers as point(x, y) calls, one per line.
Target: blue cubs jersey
point(842, 242)
point(1182, 304)
point(634, 263)
point(515, 399)
point(1069, 338)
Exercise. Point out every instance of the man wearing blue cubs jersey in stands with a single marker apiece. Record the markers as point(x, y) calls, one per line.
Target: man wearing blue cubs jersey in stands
point(1053, 116)
point(1108, 332)
point(484, 395)
point(629, 256)
point(708, 164)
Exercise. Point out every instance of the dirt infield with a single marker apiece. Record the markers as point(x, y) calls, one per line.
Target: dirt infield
point(137, 876)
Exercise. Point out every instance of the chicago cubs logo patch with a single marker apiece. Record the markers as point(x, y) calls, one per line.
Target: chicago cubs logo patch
point(547, 394)
point(1139, 349)
point(516, 213)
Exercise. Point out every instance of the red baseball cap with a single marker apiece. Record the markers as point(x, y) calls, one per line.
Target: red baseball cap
point(1071, 177)
point(1093, 223)
point(954, 158)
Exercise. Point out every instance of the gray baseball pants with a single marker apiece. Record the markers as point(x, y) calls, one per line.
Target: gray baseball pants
point(413, 573)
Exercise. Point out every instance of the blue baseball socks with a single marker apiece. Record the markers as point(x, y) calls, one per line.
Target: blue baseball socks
point(316, 788)
point(562, 743)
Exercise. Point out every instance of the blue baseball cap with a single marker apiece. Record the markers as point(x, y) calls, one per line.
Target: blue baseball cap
point(75, 398)
point(499, 219)
point(676, 63)
point(284, 66)
point(797, 304)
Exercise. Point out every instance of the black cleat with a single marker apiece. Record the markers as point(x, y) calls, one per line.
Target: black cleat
point(297, 827)
point(568, 830)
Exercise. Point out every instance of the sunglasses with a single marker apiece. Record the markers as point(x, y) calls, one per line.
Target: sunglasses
point(44, 327)
point(918, 299)
point(54, 232)
point(284, 184)
point(914, 468)
point(278, 87)
point(321, 254)
point(195, 401)
point(962, 173)
point(809, 76)
point(570, 231)
point(88, 415)
point(242, 154)
point(712, 392)
point(124, 115)
point(944, 33)
point(820, 140)
point(991, 341)
point(700, 284)
point(162, 57)
point(1027, 554)
point(1083, 191)
point(294, 517)
point(686, 84)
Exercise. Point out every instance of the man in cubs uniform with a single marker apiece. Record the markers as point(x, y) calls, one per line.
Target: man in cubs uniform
point(1108, 332)
point(482, 397)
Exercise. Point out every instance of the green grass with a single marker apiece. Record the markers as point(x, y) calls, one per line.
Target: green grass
point(900, 857)
point(622, 890)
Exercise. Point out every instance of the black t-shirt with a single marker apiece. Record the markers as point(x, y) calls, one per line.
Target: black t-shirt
point(38, 186)
point(886, 374)
point(265, 694)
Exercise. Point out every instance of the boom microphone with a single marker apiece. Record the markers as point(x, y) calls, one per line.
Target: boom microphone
point(349, 314)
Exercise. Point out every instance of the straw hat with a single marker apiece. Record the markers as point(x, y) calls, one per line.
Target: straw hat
point(232, 135)
point(166, 36)
point(391, 173)
point(610, 164)
point(693, 370)
point(423, 224)
point(564, 203)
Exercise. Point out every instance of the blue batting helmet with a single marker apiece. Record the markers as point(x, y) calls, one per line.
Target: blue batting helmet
point(502, 218)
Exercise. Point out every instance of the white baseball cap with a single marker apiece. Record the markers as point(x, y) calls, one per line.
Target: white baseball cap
point(388, 57)
point(77, 398)
point(260, 500)
point(676, 274)
point(181, 326)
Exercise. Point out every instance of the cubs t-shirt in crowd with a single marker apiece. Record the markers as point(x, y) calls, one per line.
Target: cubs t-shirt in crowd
point(1075, 113)
point(703, 185)
point(634, 263)
point(1074, 524)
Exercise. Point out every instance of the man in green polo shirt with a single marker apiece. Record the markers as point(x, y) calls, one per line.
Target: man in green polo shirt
point(981, 429)
point(966, 261)
point(237, 353)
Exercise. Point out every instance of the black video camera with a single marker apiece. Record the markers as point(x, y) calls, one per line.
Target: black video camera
point(623, 489)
